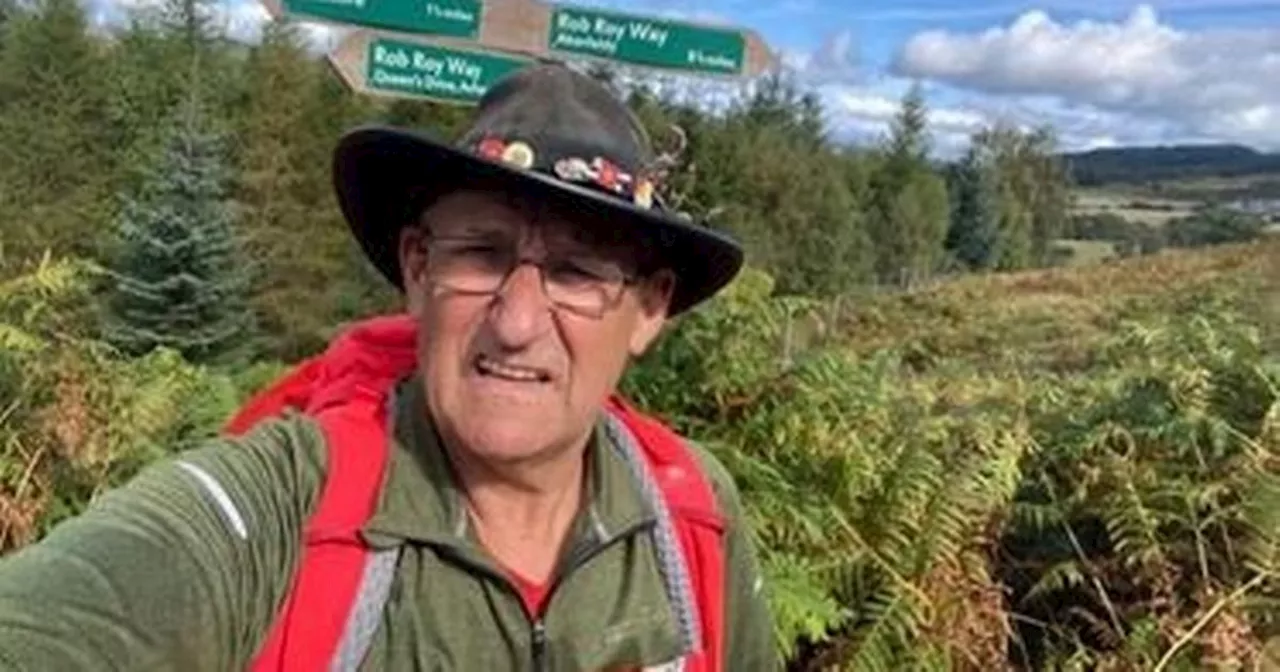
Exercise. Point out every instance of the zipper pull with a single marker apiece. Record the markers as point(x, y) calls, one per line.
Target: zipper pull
point(539, 645)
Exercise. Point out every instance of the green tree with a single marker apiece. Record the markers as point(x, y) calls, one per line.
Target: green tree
point(777, 102)
point(163, 53)
point(1214, 225)
point(178, 277)
point(7, 9)
point(974, 230)
point(1032, 193)
point(310, 276)
point(276, 218)
point(909, 209)
point(52, 139)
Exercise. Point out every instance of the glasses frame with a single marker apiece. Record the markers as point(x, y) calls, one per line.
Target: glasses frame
point(612, 295)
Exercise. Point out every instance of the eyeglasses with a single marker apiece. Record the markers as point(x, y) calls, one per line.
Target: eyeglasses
point(586, 285)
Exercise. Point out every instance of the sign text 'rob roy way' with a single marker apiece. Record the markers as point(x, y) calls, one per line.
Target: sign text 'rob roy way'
point(645, 41)
point(441, 73)
point(453, 51)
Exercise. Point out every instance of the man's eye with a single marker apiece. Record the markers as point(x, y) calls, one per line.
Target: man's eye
point(478, 248)
point(575, 274)
point(478, 251)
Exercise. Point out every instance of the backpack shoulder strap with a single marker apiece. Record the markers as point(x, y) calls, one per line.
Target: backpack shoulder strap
point(690, 528)
point(334, 603)
point(332, 609)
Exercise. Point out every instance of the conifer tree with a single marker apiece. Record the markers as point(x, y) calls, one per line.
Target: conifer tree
point(7, 8)
point(974, 232)
point(179, 280)
point(54, 160)
point(909, 213)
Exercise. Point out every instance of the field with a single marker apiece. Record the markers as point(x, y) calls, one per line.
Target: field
point(1085, 252)
point(1136, 204)
point(1056, 469)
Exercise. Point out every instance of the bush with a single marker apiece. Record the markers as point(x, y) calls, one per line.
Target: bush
point(908, 509)
point(931, 486)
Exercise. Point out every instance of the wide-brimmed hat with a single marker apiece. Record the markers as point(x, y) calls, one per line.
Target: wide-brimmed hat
point(547, 130)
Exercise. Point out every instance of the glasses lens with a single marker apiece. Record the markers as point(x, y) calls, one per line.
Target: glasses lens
point(579, 282)
point(584, 287)
point(468, 265)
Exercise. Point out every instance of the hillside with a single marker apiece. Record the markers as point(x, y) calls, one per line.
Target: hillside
point(1051, 319)
point(934, 474)
point(945, 467)
point(892, 450)
point(1137, 165)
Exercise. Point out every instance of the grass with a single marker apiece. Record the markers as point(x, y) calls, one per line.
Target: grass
point(1135, 204)
point(1086, 252)
point(1054, 317)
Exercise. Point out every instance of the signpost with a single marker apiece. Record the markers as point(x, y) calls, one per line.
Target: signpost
point(448, 18)
point(644, 41)
point(453, 50)
point(389, 66)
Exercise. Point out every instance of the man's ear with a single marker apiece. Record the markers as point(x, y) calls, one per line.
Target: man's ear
point(412, 253)
point(653, 299)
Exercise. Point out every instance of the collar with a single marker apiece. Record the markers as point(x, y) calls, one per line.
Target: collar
point(421, 502)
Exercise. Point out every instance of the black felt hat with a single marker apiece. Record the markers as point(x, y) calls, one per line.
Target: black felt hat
point(545, 128)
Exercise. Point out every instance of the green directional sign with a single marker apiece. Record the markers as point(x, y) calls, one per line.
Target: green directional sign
point(646, 41)
point(450, 18)
point(430, 71)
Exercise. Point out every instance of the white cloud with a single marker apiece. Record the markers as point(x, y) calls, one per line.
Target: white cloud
point(240, 20)
point(993, 10)
point(862, 113)
point(1213, 83)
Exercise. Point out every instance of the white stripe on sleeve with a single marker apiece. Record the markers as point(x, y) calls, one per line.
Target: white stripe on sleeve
point(220, 497)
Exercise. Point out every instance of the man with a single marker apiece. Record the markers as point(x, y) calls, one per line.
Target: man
point(510, 513)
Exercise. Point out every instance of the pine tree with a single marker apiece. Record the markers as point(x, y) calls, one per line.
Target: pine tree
point(908, 217)
point(150, 73)
point(294, 292)
point(179, 280)
point(7, 9)
point(1031, 194)
point(908, 136)
point(54, 154)
point(974, 231)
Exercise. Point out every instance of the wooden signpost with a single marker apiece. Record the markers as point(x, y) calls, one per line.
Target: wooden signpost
point(452, 50)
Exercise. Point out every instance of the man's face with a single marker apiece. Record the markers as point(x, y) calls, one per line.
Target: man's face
point(511, 375)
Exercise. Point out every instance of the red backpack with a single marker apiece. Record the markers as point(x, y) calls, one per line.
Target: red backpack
point(332, 608)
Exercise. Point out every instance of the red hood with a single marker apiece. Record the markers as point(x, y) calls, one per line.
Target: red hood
point(365, 358)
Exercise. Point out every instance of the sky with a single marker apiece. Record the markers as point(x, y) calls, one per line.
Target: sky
point(1100, 72)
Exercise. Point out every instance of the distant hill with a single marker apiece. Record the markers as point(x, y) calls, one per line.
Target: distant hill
point(1135, 165)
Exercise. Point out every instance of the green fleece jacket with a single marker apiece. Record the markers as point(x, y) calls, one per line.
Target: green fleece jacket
point(184, 568)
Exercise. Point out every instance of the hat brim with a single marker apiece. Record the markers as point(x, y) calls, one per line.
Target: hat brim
point(383, 176)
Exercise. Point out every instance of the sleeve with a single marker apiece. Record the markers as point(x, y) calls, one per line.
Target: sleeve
point(180, 569)
point(749, 636)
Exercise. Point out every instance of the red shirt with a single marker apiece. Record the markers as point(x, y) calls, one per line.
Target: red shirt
point(533, 594)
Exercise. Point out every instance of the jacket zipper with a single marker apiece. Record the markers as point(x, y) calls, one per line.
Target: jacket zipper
point(538, 630)
point(539, 645)
point(538, 636)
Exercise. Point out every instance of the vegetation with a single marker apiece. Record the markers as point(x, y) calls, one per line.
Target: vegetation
point(178, 278)
point(954, 456)
point(1137, 165)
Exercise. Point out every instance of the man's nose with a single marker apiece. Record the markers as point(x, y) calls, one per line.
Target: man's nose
point(521, 311)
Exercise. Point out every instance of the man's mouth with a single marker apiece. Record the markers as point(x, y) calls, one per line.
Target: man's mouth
point(488, 367)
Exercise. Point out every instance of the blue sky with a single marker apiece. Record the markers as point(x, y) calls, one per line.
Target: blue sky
point(1101, 72)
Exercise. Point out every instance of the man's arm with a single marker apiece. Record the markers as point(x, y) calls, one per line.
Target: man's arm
point(749, 638)
point(180, 569)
